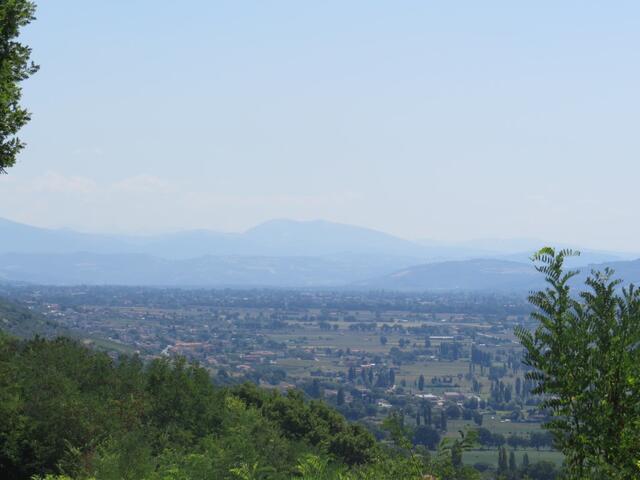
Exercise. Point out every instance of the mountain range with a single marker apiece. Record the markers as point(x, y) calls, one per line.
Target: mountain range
point(278, 253)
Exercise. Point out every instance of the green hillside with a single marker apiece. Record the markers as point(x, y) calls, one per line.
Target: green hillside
point(18, 320)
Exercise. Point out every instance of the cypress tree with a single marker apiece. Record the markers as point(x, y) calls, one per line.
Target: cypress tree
point(502, 460)
point(513, 466)
point(443, 421)
point(427, 409)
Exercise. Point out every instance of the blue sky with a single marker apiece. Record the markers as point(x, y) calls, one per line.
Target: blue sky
point(443, 120)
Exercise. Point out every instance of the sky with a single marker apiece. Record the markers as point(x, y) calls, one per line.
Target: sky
point(439, 120)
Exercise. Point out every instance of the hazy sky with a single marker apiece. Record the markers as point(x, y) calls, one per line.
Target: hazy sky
point(445, 120)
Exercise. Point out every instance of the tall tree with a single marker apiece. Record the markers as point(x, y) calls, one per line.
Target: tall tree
point(443, 421)
point(426, 412)
point(427, 436)
point(585, 361)
point(15, 66)
point(502, 461)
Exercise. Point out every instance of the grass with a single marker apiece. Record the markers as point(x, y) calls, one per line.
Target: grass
point(508, 428)
point(110, 345)
point(491, 456)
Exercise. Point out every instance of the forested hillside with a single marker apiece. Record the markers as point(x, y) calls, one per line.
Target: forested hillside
point(18, 320)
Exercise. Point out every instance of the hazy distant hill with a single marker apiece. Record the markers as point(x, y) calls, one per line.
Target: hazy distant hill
point(20, 238)
point(481, 274)
point(284, 238)
point(287, 237)
point(273, 238)
point(629, 271)
point(350, 271)
point(486, 274)
point(279, 253)
point(520, 250)
point(587, 257)
point(136, 269)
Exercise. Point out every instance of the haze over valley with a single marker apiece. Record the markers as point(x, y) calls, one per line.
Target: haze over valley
point(278, 253)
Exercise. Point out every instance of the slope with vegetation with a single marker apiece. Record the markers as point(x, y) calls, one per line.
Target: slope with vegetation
point(68, 410)
point(18, 320)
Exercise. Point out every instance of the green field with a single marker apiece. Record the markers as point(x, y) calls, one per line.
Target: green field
point(110, 345)
point(491, 456)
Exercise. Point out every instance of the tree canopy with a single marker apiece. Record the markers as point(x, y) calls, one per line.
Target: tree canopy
point(585, 360)
point(73, 412)
point(15, 66)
